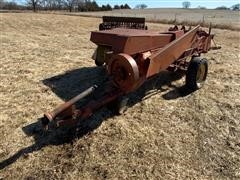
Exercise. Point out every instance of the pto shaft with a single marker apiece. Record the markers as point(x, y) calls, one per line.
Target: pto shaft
point(49, 116)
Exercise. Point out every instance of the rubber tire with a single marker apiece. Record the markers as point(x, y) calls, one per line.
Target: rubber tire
point(101, 27)
point(98, 63)
point(191, 74)
point(119, 105)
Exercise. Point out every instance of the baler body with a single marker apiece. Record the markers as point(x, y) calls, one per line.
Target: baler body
point(132, 56)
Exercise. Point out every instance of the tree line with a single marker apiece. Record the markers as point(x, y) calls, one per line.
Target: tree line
point(235, 7)
point(70, 5)
point(83, 5)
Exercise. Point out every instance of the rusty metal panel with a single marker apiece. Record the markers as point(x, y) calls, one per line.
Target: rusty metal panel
point(136, 45)
point(171, 52)
point(131, 41)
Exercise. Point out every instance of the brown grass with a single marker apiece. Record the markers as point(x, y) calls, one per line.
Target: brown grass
point(224, 25)
point(190, 23)
point(46, 59)
point(222, 19)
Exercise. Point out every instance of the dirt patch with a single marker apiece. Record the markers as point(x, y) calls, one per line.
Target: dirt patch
point(46, 59)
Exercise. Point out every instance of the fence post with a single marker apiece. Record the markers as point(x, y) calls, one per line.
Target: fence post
point(203, 20)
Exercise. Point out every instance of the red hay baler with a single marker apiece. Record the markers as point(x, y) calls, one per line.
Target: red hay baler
point(131, 57)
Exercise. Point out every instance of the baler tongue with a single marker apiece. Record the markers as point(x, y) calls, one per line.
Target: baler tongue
point(66, 110)
point(67, 114)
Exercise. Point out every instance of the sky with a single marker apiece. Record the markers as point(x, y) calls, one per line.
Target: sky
point(172, 3)
point(164, 3)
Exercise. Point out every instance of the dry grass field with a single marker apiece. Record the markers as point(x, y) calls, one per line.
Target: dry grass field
point(219, 18)
point(46, 59)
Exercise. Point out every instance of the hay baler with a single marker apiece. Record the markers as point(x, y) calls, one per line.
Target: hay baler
point(132, 56)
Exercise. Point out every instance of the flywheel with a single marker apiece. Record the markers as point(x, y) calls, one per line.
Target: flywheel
point(124, 71)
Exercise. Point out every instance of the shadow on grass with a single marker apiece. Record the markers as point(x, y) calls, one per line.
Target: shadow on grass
point(74, 82)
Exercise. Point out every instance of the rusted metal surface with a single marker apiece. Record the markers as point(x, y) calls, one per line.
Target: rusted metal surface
point(171, 52)
point(130, 41)
point(110, 22)
point(64, 115)
point(68, 108)
point(87, 111)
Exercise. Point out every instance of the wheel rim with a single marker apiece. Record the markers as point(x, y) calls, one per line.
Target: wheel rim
point(201, 73)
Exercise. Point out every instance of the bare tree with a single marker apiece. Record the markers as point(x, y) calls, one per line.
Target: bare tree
point(236, 7)
point(69, 4)
point(10, 4)
point(116, 7)
point(1, 4)
point(43, 4)
point(59, 4)
point(222, 8)
point(141, 6)
point(51, 4)
point(81, 5)
point(186, 4)
point(201, 7)
point(33, 4)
